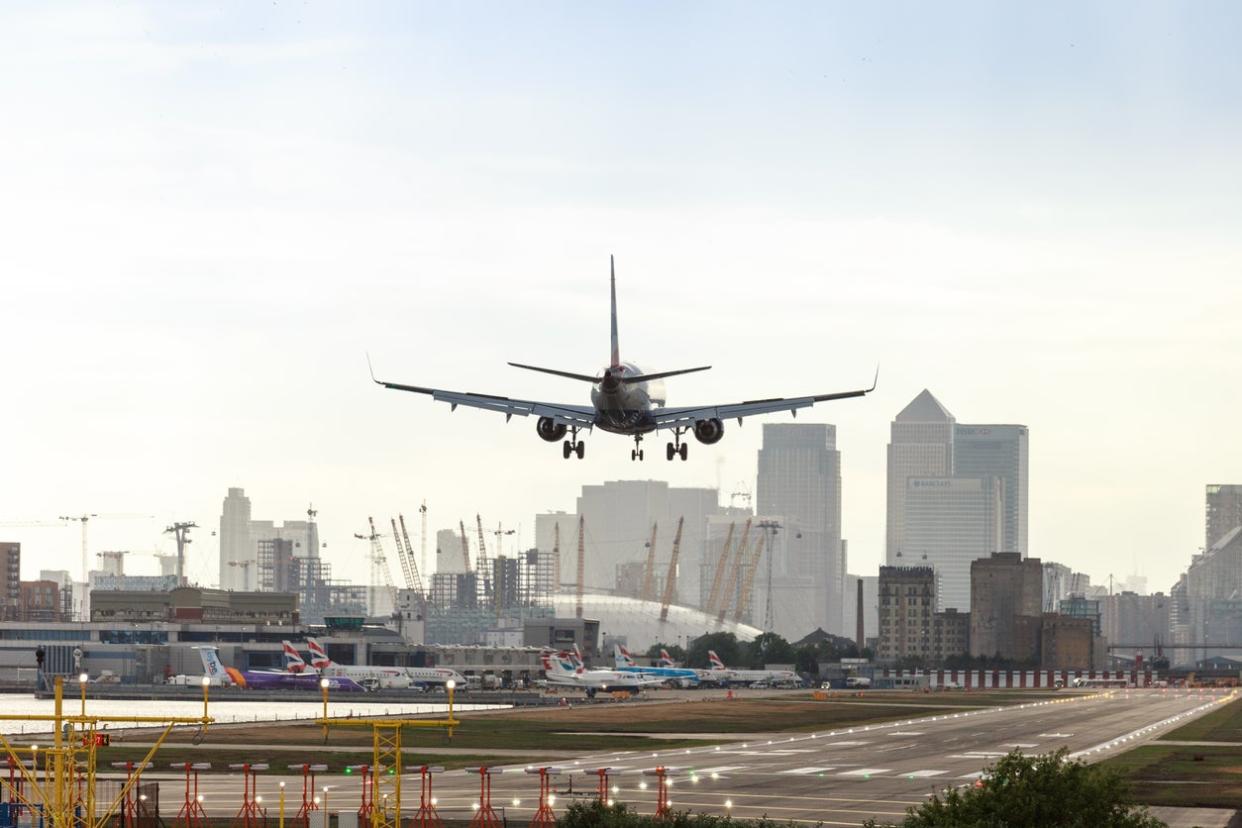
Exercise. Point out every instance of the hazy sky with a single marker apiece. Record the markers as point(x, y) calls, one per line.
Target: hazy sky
point(210, 212)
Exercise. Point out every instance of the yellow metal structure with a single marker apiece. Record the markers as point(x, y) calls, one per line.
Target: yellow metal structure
point(726, 598)
point(71, 760)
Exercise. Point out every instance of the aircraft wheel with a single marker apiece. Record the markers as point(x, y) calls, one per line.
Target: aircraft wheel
point(566, 449)
point(640, 454)
point(684, 451)
point(633, 454)
point(670, 450)
point(580, 450)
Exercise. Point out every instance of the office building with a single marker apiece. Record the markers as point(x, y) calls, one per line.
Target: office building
point(240, 536)
point(799, 478)
point(950, 635)
point(920, 445)
point(907, 602)
point(1213, 579)
point(1068, 643)
point(998, 451)
point(1223, 511)
point(449, 556)
point(1004, 588)
point(10, 580)
point(40, 601)
point(194, 604)
point(949, 523)
point(1080, 606)
point(1130, 618)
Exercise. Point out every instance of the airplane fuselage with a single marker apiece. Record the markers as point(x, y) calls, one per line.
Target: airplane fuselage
point(625, 408)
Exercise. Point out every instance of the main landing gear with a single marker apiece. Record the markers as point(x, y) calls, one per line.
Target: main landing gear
point(573, 445)
point(637, 452)
point(677, 448)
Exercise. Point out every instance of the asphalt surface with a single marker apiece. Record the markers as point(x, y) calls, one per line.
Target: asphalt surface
point(838, 778)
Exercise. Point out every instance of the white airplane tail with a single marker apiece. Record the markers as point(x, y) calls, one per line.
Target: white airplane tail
point(557, 664)
point(319, 656)
point(622, 657)
point(666, 660)
point(293, 659)
point(715, 661)
point(213, 668)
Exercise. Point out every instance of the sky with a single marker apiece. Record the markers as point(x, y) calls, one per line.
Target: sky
point(211, 213)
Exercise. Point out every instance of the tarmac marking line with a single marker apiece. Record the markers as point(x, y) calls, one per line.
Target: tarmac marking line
point(865, 772)
point(804, 771)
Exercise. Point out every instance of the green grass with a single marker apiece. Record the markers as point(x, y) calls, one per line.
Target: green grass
point(1221, 725)
point(1170, 775)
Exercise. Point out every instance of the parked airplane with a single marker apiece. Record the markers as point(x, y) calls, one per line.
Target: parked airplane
point(719, 673)
point(293, 659)
point(563, 670)
point(381, 676)
point(269, 680)
point(624, 400)
point(679, 676)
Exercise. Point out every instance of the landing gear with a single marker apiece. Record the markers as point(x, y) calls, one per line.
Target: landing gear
point(677, 448)
point(637, 452)
point(573, 446)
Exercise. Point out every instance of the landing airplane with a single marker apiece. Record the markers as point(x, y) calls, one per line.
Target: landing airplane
point(624, 400)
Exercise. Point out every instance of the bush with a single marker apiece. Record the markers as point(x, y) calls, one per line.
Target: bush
point(1046, 791)
point(597, 815)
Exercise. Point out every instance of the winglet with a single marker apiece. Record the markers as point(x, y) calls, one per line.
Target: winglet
point(876, 380)
point(372, 369)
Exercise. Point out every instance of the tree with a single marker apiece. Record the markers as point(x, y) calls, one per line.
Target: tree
point(1046, 791)
point(675, 651)
point(807, 660)
point(724, 643)
point(769, 648)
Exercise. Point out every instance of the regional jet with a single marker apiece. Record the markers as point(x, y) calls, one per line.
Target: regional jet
point(624, 400)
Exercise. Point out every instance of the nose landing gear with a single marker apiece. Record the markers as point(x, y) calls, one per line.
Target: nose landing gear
point(677, 448)
point(573, 446)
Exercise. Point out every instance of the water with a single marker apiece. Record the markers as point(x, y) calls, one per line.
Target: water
point(222, 712)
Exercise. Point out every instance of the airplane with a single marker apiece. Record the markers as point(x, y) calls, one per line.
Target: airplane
point(626, 401)
point(381, 676)
point(268, 680)
point(679, 676)
point(562, 669)
point(293, 659)
point(721, 674)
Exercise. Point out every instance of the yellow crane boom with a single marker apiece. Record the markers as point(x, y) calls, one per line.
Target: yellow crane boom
point(731, 584)
point(670, 582)
point(649, 570)
point(717, 579)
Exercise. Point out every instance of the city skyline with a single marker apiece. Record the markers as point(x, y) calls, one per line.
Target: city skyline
point(1031, 212)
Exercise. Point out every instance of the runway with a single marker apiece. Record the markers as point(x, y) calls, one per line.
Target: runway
point(840, 777)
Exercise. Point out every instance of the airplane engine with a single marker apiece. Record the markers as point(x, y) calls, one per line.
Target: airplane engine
point(708, 431)
point(549, 429)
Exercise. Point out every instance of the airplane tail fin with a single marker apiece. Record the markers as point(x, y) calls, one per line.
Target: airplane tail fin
point(715, 661)
point(616, 347)
point(213, 668)
point(622, 657)
point(666, 660)
point(555, 663)
point(319, 656)
point(293, 659)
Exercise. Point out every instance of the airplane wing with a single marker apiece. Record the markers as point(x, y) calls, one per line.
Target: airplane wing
point(686, 417)
point(578, 416)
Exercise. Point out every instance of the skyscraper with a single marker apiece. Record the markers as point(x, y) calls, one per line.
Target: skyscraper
point(800, 479)
point(240, 537)
point(1224, 511)
point(949, 522)
point(1005, 589)
point(921, 445)
point(998, 451)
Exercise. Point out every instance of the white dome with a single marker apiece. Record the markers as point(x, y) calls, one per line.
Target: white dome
point(639, 621)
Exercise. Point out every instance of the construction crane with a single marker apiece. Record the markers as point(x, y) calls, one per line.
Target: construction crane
point(484, 567)
point(770, 528)
point(718, 577)
point(731, 584)
point(381, 578)
point(649, 569)
point(417, 584)
point(86, 518)
point(181, 532)
point(465, 545)
point(670, 582)
point(402, 556)
point(581, 566)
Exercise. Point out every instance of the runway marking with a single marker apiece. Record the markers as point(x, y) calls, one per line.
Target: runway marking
point(722, 769)
point(1020, 744)
point(974, 775)
point(906, 733)
point(923, 774)
point(1055, 735)
point(845, 744)
point(805, 771)
point(865, 772)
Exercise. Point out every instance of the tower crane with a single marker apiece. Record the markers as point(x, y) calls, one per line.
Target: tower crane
point(402, 555)
point(731, 583)
point(465, 545)
point(670, 582)
point(417, 586)
point(84, 519)
point(381, 578)
point(649, 568)
point(485, 575)
point(718, 577)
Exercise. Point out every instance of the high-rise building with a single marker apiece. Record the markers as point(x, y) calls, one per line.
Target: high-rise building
point(1224, 511)
point(949, 523)
point(950, 635)
point(40, 601)
point(448, 552)
point(920, 445)
point(998, 451)
point(907, 596)
point(1004, 588)
point(240, 537)
point(1130, 618)
point(799, 479)
point(10, 580)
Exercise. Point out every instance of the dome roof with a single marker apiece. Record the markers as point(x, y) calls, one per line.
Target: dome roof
point(639, 621)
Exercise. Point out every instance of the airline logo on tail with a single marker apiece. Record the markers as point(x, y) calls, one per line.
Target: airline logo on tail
point(215, 669)
point(623, 657)
point(557, 663)
point(319, 657)
point(666, 660)
point(293, 659)
point(714, 660)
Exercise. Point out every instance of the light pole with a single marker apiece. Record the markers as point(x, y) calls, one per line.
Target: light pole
point(450, 686)
point(282, 805)
point(82, 679)
point(206, 686)
point(323, 688)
